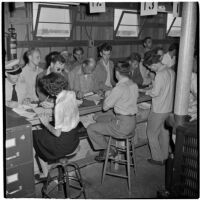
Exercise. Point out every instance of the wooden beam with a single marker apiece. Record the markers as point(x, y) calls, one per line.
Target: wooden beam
point(72, 43)
point(92, 23)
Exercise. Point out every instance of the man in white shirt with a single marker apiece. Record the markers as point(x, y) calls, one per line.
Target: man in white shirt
point(169, 58)
point(162, 95)
point(14, 88)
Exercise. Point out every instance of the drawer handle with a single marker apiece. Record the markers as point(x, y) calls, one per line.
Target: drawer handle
point(14, 156)
point(15, 191)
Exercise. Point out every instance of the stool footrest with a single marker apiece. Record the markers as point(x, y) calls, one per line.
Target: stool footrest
point(115, 174)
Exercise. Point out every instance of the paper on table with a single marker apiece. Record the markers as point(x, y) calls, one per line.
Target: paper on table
point(96, 98)
point(24, 113)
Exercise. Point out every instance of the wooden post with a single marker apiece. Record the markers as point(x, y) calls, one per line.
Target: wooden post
point(185, 60)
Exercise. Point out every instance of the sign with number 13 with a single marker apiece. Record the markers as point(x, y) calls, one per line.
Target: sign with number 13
point(149, 8)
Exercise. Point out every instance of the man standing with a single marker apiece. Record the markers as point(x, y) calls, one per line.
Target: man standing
point(162, 95)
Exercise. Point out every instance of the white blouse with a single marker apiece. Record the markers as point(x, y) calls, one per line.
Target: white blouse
point(66, 111)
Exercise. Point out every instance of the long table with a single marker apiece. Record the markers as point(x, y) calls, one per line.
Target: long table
point(84, 110)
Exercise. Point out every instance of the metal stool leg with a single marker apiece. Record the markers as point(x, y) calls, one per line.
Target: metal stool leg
point(133, 154)
point(79, 177)
point(128, 163)
point(106, 160)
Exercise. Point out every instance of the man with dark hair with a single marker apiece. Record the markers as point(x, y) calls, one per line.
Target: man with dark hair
point(162, 95)
point(105, 68)
point(78, 56)
point(123, 98)
point(147, 44)
point(134, 61)
point(169, 59)
point(56, 64)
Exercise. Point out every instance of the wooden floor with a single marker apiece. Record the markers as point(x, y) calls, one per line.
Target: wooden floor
point(148, 180)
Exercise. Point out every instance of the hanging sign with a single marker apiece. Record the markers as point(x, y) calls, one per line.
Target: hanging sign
point(148, 8)
point(176, 9)
point(97, 7)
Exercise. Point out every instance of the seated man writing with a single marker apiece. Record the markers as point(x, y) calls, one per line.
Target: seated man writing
point(82, 79)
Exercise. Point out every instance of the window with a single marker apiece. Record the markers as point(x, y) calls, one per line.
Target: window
point(126, 23)
point(173, 26)
point(52, 21)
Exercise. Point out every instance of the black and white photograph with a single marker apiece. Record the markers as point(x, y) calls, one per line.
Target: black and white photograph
point(100, 99)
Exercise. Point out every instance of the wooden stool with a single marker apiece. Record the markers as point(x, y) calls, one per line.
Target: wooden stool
point(63, 178)
point(128, 150)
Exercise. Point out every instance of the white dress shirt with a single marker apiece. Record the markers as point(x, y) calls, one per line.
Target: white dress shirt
point(20, 89)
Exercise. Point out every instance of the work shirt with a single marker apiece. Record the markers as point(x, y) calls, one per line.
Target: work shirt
point(102, 77)
point(20, 89)
point(168, 60)
point(66, 111)
point(162, 92)
point(28, 76)
point(123, 97)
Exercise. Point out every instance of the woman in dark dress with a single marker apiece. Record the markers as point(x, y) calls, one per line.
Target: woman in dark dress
point(54, 142)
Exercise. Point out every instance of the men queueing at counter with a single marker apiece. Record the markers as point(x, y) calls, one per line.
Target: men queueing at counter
point(123, 98)
point(162, 95)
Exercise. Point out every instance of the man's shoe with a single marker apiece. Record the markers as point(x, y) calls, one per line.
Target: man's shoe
point(101, 157)
point(102, 154)
point(155, 162)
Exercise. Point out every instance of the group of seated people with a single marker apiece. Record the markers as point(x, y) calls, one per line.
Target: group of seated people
point(64, 81)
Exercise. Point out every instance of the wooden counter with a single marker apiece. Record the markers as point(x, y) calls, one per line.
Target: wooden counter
point(84, 110)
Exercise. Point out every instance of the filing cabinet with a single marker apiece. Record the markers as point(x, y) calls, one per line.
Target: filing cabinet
point(18, 157)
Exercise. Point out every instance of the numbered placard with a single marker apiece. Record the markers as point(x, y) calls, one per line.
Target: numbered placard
point(97, 7)
point(148, 8)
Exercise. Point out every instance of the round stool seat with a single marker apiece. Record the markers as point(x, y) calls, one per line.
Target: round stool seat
point(123, 137)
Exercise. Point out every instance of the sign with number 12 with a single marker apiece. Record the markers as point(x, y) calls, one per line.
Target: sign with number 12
point(149, 8)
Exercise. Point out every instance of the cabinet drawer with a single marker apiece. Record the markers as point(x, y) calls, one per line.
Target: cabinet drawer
point(20, 181)
point(19, 146)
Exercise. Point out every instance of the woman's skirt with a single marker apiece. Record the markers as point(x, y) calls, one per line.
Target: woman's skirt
point(50, 148)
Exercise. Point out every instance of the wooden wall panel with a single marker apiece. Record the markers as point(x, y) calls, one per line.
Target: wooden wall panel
point(155, 27)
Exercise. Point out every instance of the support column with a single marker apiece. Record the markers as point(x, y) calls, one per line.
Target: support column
point(185, 61)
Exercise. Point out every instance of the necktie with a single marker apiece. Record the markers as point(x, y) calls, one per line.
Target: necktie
point(14, 94)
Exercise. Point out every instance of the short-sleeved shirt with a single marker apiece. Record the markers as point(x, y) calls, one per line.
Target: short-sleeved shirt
point(66, 111)
point(28, 76)
point(168, 60)
point(20, 89)
point(123, 97)
point(163, 91)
